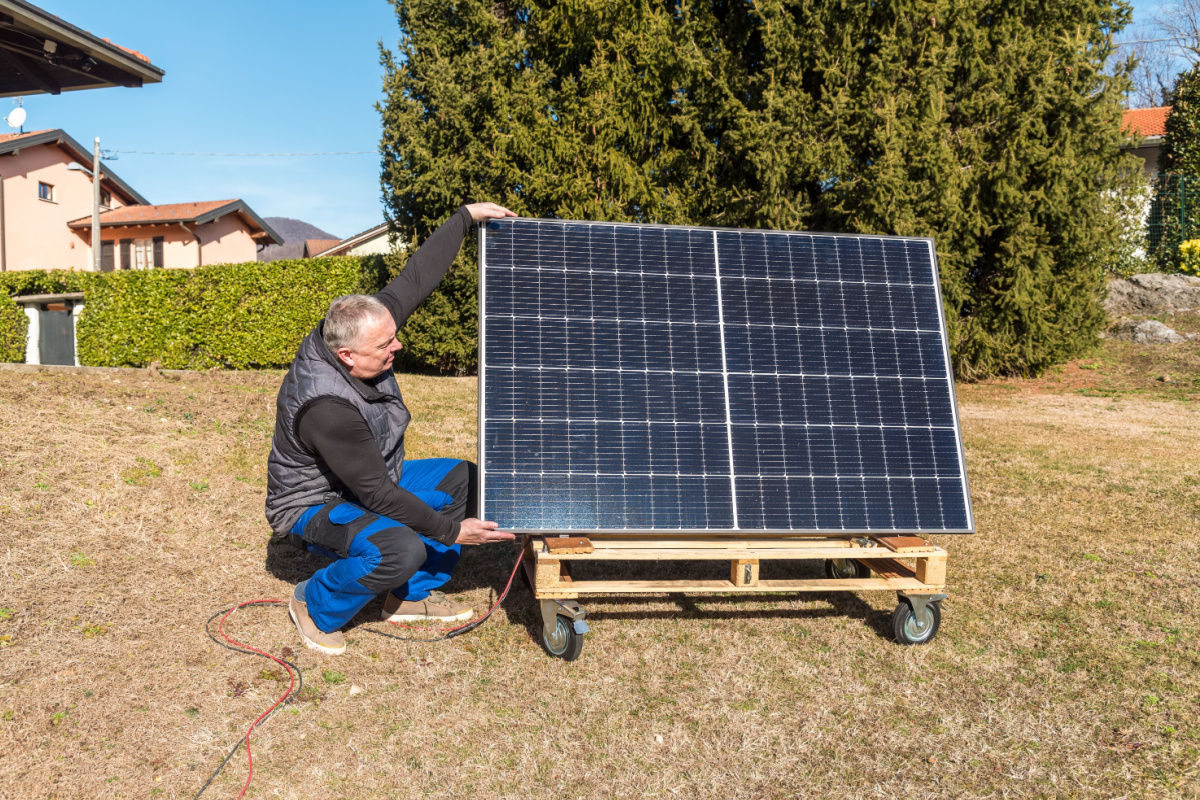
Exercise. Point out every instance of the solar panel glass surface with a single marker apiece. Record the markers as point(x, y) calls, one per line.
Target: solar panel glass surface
point(655, 378)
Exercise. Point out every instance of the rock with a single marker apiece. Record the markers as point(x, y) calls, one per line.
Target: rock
point(1153, 293)
point(1146, 332)
point(355, 689)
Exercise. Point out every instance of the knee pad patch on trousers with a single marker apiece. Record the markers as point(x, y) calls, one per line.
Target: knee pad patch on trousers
point(401, 554)
point(335, 526)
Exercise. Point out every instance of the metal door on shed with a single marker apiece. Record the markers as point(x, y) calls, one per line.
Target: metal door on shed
point(56, 337)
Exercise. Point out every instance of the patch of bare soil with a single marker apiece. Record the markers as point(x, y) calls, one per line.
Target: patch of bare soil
point(1067, 664)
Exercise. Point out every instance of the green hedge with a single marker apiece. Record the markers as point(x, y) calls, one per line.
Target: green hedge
point(239, 316)
point(14, 326)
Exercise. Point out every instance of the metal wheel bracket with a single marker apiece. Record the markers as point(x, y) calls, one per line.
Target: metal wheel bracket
point(552, 609)
point(918, 602)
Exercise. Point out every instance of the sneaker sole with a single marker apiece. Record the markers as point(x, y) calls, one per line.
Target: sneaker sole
point(465, 615)
point(320, 648)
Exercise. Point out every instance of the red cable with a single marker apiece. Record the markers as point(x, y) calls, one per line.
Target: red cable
point(499, 599)
point(291, 675)
point(280, 661)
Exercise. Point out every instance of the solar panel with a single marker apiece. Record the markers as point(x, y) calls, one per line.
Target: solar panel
point(639, 378)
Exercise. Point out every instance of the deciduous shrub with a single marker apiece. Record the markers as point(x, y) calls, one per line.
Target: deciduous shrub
point(1189, 257)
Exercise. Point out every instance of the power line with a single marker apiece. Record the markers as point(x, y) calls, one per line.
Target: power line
point(244, 155)
point(1153, 41)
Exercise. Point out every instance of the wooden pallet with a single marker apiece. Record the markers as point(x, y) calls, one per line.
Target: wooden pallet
point(548, 563)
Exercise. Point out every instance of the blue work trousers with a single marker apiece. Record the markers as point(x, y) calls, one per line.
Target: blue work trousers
point(373, 554)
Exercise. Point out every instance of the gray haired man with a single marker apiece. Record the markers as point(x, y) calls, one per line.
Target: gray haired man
point(337, 481)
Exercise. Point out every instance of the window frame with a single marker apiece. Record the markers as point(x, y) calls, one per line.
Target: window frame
point(48, 195)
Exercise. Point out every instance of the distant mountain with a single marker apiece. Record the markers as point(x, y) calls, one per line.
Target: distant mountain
point(294, 232)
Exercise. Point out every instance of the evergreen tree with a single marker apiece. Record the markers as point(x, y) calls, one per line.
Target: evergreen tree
point(992, 126)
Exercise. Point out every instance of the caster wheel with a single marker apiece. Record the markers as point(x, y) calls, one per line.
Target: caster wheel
point(846, 568)
point(912, 628)
point(563, 642)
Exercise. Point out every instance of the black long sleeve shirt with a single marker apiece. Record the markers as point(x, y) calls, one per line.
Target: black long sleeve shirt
point(333, 429)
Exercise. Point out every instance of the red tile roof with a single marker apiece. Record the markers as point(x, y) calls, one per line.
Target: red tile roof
point(8, 137)
point(134, 53)
point(313, 247)
point(148, 215)
point(1147, 121)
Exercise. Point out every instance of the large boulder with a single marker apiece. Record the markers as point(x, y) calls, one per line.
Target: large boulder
point(1154, 293)
point(1149, 331)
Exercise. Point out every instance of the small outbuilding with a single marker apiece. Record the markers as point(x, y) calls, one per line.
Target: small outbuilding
point(52, 320)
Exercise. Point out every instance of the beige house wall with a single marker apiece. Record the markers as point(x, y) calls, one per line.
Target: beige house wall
point(225, 241)
point(35, 231)
point(376, 245)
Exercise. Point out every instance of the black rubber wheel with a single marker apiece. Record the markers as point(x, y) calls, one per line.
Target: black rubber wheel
point(841, 568)
point(564, 643)
point(911, 628)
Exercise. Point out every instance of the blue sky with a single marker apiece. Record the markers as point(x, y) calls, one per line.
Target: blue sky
point(250, 76)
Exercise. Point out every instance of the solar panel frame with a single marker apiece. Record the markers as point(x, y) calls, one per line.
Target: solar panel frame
point(928, 243)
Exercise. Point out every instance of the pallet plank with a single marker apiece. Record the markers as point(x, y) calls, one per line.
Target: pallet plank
point(573, 545)
point(718, 586)
point(603, 553)
point(906, 544)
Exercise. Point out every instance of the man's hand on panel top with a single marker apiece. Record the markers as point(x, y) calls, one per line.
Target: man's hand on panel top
point(477, 531)
point(481, 211)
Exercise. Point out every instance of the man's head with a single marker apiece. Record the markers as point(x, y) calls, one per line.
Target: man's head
point(360, 332)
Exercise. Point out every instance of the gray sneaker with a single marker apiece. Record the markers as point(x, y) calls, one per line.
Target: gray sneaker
point(331, 643)
point(435, 608)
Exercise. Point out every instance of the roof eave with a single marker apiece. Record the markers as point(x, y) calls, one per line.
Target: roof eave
point(355, 240)
point(1143, 141)
point(86, 222)
point(240, 207)
point(91, 44)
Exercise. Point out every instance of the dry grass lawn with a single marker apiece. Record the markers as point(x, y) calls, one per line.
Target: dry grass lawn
point(1067, 664)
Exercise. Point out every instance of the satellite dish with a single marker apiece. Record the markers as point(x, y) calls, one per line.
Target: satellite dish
point(16, 117)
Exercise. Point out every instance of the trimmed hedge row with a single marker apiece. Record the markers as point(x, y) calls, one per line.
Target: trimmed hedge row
point(239, 316)
point(14, 326)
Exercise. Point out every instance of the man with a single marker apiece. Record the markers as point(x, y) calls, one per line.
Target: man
point(337, 481)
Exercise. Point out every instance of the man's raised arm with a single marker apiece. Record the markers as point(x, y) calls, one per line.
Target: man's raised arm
point(425, 270)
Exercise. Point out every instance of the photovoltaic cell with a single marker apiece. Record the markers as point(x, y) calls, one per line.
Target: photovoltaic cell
point(654, 378)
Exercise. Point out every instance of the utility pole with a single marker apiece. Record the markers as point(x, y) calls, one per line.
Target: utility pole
point(96, 206)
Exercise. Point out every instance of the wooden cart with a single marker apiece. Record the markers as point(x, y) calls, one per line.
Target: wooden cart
point(907, 565)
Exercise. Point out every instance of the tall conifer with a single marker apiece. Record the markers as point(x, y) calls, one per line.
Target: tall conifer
point(992, 126)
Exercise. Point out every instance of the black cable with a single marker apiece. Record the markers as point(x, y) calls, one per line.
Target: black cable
point(470, 626)
point(286, 700)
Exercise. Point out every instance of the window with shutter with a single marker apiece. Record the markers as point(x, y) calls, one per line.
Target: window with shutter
point(142, 254)
point(158, 251)
point(126, 260)
point(107, 256)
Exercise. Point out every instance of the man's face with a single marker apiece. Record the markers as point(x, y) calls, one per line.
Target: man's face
point(375, 349)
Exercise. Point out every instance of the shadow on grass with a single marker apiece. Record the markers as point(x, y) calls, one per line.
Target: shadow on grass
point(489, 567)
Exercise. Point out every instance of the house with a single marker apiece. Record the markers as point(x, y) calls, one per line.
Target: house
point(44, 54)
point(43, 187)
point(1149, 125)
point(46, 215)
point(178, 235)
point(370, 242)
